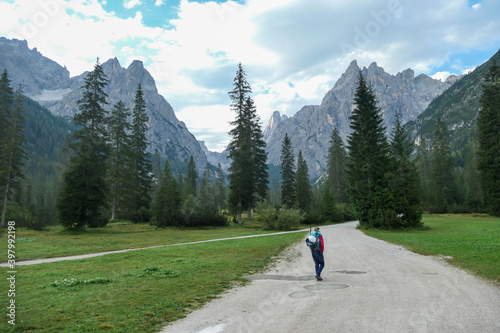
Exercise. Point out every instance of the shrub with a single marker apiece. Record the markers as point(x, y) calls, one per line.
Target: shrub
point(289, 219)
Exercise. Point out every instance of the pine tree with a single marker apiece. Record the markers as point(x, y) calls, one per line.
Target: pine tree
point(6, 103)
point(206, 192)
point(287, 173)
point(368, 159)
point(337, 159)
point(302, 185)
point(424, 169)
point(405, 185)
point(220, 189)
point(167, 203)
point(120, 157)
point(248, 171)
point(190, 187)
point(82, 199)
point(14, 153)
point(442, 178)
point(142, 167)
point(474, 191)
point(489, 139)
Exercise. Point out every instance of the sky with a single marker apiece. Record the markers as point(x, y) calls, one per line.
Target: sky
point(293, 51)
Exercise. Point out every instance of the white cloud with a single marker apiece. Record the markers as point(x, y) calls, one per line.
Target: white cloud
point(129, 4)
point(442, 76)
point(308, 44)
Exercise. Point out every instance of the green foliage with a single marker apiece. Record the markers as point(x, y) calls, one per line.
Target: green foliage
point(442, 181)
point(279, 219)
point(336, 162)
point(141, 163)
point(368, 159)
point(404, 181)
point(83, 197)
point(287, 173)
point(248, 177)
point(167, 204)
point(302, 185)
point(489, 139)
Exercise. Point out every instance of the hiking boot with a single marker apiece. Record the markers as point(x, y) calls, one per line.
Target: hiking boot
point(318, 278)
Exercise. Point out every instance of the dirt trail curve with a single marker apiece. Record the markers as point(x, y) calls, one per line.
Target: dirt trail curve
point(369, 286)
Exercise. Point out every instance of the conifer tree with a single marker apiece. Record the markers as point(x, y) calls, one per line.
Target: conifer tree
point(167, 203)
point(248, 171)
point(14, 153)
point(82, 199)
point(474, 191)
point(489, 139)
point(424, 169)
point(442, 178)
point(302, 185)
point(337, 159)
point(287, 173)
point(142, 167)
point(206, 193)
point(405, 185)
point(220, 189)
point(6, 103)
point(190, 187)
point(120, 157)
point(368, 160)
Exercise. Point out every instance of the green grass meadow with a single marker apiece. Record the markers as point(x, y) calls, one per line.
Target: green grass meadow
point(471, 240)
point(138, 291)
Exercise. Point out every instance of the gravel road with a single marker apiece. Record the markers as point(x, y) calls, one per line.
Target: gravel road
point(369, 286)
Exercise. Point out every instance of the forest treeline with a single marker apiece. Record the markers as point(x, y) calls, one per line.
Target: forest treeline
point(96, 169)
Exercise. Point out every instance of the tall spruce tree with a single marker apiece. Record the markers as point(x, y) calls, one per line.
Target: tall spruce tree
point(206, 192)
point(442, 177)
point(368, 159)
point(489, 139)
point(287, 173)
point(14, 153)
point(336, 162)
point(220, 189)
point(120, 157)
point(6, 103)
point(473, 189)
point(405, 179)
point(142, 166)
point(83, 197)
point(302, 184)
point(167, 203)
point(423, 162)
point(191, 181)
point(248, 172)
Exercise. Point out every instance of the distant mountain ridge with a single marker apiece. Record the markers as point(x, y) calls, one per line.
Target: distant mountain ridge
point(458, 107)
point(49, 84)
point(311, 127)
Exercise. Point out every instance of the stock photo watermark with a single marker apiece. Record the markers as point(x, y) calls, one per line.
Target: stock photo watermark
point(380, 19)
point(11, 273)
point(47, 10)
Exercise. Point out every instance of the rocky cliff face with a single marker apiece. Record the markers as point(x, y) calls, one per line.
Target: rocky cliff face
point(310, 128)
point(29, 67)
point(276, 118)
point(48, 83)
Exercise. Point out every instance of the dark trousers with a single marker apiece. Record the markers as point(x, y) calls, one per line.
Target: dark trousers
point(319, 261)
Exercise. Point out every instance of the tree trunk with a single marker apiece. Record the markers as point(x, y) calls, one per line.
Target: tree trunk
point(239, 217)
point(249, 213)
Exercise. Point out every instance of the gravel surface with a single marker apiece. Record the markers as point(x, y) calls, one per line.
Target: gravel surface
point(369, 286)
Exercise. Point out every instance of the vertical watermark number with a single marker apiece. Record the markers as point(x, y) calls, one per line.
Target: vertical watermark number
point(11, 273)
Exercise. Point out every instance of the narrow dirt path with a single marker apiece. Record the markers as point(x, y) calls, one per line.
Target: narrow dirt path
point(369, 286)
point(92, 255)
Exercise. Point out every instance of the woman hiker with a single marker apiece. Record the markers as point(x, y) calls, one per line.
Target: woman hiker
point(317, 253)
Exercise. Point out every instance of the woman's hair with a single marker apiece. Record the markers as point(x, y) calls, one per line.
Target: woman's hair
point(316, 229)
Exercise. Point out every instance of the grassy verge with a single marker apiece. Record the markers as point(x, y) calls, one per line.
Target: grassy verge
point(57, 242)
point(472, 241)
point(136, 291)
